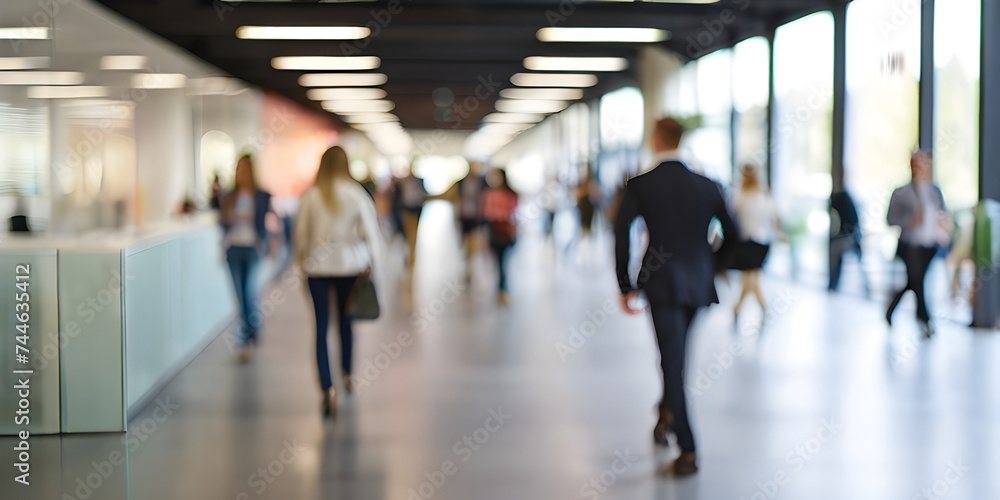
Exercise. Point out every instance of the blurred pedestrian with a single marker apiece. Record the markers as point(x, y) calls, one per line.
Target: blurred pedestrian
point(336, 239)
point(845, 237)
point(757, 215)
point(918, 208)
point(243, 213)
point(411, 196)
point(678, 269)
point(499, 211)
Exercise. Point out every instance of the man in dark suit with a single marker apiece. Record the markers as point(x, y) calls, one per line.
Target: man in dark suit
point(678, 269)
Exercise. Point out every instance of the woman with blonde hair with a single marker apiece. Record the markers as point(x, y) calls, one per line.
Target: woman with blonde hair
point(335, 240)
point(757, 216)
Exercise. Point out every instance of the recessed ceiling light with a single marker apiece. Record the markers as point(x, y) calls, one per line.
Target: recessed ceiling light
point(610, 35)
point(545, 63)
point(368, 118)
point(358, 106)
point(513, 118)
point(18, 63)
point(72, 92)
point(40, 78)
point(553, 80)
point(342, 79)
point(124, 63)
point(159, 81)
point(25, 33)
point(542, 93)
point(325, 63)
point(530, 106)
point(348, 94)
point(302, 32)
point(505, 128)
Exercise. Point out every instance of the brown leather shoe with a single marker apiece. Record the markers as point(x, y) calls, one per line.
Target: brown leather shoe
point(685, 465)
point(664, 426)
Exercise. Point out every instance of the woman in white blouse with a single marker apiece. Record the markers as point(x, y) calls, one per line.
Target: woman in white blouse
point(757, 216)
point(335, 237)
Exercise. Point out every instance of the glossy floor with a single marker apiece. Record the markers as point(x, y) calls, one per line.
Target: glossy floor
point(552, 398)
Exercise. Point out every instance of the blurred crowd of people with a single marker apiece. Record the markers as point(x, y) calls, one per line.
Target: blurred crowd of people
point(698, 230)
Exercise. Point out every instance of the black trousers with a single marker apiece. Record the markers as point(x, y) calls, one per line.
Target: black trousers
point(918, 260)
point(671, 323)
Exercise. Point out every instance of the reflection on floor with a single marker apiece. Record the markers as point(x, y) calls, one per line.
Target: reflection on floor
point(552, 398)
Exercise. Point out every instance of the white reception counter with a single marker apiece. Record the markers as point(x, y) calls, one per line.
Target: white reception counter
point(113, 316)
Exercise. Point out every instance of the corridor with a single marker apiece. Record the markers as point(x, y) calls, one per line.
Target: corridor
point(552, 398)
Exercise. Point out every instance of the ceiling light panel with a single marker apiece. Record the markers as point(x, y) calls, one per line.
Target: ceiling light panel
point(325, 63)
point(530, 106)
point(553, 80)
point(342, 79)
point(358, 106)
point(545, 63)
point(369, 118)
point(40, 78)
point(605, 35)
point(19, 63)
point(543, 93)
point(72, 92)
point(25, 33)
point(345, 94)
point(302, 32)
point(513, 118)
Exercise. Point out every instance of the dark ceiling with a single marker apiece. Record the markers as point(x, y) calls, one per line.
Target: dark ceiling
point(427, 45)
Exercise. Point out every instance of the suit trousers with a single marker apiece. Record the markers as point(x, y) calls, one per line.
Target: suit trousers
point(918, 260)
point(671, 322)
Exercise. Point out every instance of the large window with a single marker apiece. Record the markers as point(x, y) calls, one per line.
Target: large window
point(803, 66)
point(710, 144)
point(750, 95)
point(956, 59)
point(883, 71)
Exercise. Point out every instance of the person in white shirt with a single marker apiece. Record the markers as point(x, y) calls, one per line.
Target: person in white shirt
point(757, 216)
point(335, 239)
point(918, 209)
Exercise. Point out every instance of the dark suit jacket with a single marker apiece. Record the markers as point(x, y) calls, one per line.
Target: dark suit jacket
point(678, 206)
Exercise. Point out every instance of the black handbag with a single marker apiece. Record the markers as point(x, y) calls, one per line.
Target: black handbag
point(362, 302)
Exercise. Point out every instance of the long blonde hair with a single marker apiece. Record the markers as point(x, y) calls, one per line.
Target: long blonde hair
point(333, 169)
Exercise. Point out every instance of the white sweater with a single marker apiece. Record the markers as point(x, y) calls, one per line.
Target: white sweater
point(342, 244)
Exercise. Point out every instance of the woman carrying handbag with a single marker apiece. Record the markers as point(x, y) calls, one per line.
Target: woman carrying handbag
point(336, 236)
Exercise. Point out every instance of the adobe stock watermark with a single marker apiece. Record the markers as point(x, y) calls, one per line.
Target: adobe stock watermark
point(705, 378)
point(797, 459)
point(136, 434)
point(44, 17)
point(578, 336)
point(698, 44)
point(941, 488)
point(463, 449)
point(266, 474)
point(599, 484)
point(87, 311)
point(902, 14)
point(390, 351)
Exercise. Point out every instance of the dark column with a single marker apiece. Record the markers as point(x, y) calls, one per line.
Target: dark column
point(839, 94)
point(927, 72)
point(769, 153)
point(987, 304)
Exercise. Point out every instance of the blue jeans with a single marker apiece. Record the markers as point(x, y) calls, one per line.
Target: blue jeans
point(242, 262)
point(319, 289)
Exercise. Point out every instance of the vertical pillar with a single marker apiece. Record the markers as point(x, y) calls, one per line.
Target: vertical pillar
point(839, 12)
point(986, 310)
point(771, 93)
point(926, 134)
